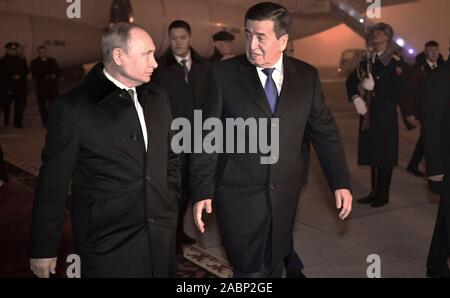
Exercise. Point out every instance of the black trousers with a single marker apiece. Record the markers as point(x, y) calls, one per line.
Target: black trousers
point(277, 271)
point(417, 155)
point(293, 262)
point(45, 94)
point(185, 200)
point(3, 172)
point(440, 243)
point(18, 98)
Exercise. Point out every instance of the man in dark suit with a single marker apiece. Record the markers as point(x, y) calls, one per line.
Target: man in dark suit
point(111, 137)
point(436, 137)
point(412, 100)
point(46, 74)
point(182, 72)
point(256, 199)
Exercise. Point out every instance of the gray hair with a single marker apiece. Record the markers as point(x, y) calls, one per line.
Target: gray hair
point(116, 37)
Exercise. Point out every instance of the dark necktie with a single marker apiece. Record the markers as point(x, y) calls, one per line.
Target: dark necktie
point(185, 70)
point(131, 92)
point(271, 89)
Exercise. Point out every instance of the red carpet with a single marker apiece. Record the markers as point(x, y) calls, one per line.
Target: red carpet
point(16, 201)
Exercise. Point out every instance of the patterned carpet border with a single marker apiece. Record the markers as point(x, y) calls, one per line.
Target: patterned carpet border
point(191, 253)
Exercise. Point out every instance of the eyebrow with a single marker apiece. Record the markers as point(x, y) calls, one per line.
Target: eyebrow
point(257, 34)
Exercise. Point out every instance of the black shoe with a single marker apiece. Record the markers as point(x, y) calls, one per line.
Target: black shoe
point(416, 172)
point(378, 204)
point(367, 200)
point(187, 240)
point(298, 274)
point(435, 274)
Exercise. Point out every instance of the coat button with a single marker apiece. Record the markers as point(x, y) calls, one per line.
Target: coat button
point(148, 179)
point(271, 187)
point(151, 221)
point(134, 137)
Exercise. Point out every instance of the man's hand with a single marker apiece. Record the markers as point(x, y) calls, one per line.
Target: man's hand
point(198, 212)
point(344, 200)
point(437, 178)
point(43, 267)
point(413, 120)
point(369, 83)
point(360, 105)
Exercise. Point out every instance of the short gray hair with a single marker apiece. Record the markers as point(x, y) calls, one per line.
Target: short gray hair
point(116, 37)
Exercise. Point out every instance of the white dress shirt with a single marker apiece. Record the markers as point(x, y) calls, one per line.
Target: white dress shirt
point(432, 65)
point(188, 59)
point(277, 76)
point(137, 105)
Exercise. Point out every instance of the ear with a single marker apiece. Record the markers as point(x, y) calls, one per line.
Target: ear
point(283, 42)
point(117, 56)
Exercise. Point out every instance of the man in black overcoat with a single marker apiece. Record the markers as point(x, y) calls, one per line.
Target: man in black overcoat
point(436, 137)
point(374, 88)
point(111, 137)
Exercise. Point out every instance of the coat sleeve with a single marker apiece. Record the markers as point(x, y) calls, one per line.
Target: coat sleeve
point(352, 84)
point(59, 157)
point(323, 134)
point(173, 164)
point(435, 111)
point(202, 166)
point(409, 100)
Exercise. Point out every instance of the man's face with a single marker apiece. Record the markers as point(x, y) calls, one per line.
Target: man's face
point(42, 53)
point(432, 53)
point(137, 63)
point(12, 52)
point(379, 38)
point(225, 48)
point(180, 41)
point(263, 48)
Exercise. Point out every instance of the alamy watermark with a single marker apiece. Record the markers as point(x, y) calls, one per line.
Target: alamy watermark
point(374, 9)
point(374, 269)
point(74, 9)
point(214, 136)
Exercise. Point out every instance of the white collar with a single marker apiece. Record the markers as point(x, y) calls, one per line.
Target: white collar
point(277, 66)
point(116, 82)
point(432, 63)
point(187, 58)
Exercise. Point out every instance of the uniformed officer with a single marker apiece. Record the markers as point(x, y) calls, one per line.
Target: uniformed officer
point(13, 72)
point(374, 88)
point(46, 73)
point(223, 46)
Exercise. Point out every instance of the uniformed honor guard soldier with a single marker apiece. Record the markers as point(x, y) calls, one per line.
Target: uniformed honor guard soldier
point(223, 46)
point(13, 72)
point(374, 88)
